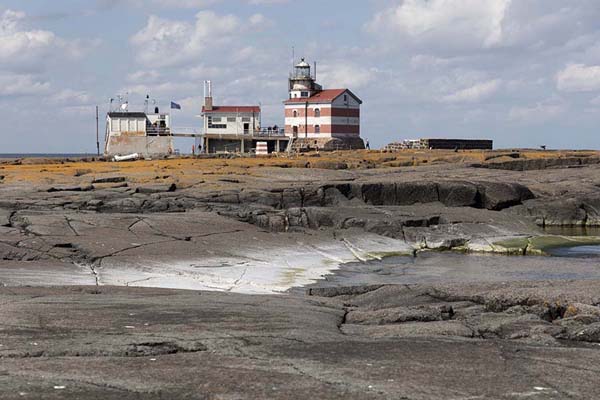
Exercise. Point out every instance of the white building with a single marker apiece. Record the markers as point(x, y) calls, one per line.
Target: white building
point(236, 128)
point(138, 132)
point(321, 117)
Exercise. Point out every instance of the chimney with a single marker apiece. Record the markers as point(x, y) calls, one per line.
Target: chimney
point(208, 100)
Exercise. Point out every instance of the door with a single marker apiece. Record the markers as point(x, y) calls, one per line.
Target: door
point(246, 129)
point(295, 131)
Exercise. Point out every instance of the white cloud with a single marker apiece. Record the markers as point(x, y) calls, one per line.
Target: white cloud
point(473, 94)
point(22, 85)
point(595, 101)
point(159, 89)
point(71, 97)
point(104, 4)
point(579, 78)
point(470, 23)
point(204, 72)
point(163, 42)
point(345, 75)
point(423, 61)
point(19, 45)
point(143, 76)
point(538, 113)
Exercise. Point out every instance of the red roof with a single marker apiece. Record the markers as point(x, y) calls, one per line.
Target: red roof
point(233, 109)
point(324, 96)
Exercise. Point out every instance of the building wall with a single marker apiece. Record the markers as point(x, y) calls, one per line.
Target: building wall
point(147, 146)
point(450, 144)
point(132, 126)
point(127, 135)
point(232, 127)
point(338, 119)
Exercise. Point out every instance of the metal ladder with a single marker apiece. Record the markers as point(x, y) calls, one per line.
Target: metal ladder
point(290, 145)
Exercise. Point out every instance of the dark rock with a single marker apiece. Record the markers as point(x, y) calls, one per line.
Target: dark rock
point(342, 291)
point(498, 196)
point(162, 348)
point(67, 188)
point(458, 194)
point(408, 193)
point(112, 179)
point(562, 212)
point(156, 189)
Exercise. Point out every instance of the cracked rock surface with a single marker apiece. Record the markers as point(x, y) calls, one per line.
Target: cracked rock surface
point(76, 323)
point(534, 339)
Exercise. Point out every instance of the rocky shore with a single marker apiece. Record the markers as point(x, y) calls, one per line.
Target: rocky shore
point(91, 255)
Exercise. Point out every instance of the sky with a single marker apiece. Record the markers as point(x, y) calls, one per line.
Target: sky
point(522, 72)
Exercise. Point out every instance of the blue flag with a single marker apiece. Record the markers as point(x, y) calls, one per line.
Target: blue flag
point(175, 106)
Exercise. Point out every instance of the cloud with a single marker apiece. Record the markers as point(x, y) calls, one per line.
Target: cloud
point(579, 78)
point(71, 97)
point(454, 23)
point(164, 42)
point(538, 113)
point(21, 85)
point(473, 94)
point(108, 4)
point(146, 76)
point(23, 48)
point(346, 75)
point(20, 46)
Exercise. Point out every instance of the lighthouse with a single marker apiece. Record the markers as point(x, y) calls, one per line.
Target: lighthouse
point(321, 118)
point(302, 83)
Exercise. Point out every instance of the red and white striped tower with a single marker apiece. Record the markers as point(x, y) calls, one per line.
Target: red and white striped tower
point(312, 112)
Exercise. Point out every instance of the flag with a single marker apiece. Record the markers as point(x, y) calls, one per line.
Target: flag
point(175, 106)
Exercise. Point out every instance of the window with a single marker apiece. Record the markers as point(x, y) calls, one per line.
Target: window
point(295, 113)
point(317, 129)
point(115, 125)
point(303, 94)
point(317, 112)
point(211, 125)
point(246, 119)
point(345, 97)
point(231, 119)
point(124, 125)
point(132, 125)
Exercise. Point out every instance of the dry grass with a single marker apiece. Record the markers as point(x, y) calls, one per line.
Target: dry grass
point(189, 170)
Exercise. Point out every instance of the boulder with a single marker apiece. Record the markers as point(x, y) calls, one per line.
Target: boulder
point(498, 196)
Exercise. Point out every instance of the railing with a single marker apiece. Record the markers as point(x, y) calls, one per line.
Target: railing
point(157, 131)
point(270, 132)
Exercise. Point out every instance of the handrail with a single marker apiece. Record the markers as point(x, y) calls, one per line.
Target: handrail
point(157, 131)
point(271, 132)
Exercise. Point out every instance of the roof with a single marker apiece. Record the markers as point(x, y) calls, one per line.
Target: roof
point(120, 114)
point(232, 109)
point(324, 96)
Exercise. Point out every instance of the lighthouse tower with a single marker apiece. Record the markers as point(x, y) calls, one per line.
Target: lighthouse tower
point(302, 83)
point(321, 118)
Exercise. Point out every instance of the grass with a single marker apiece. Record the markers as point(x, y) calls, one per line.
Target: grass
point(191, 170)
